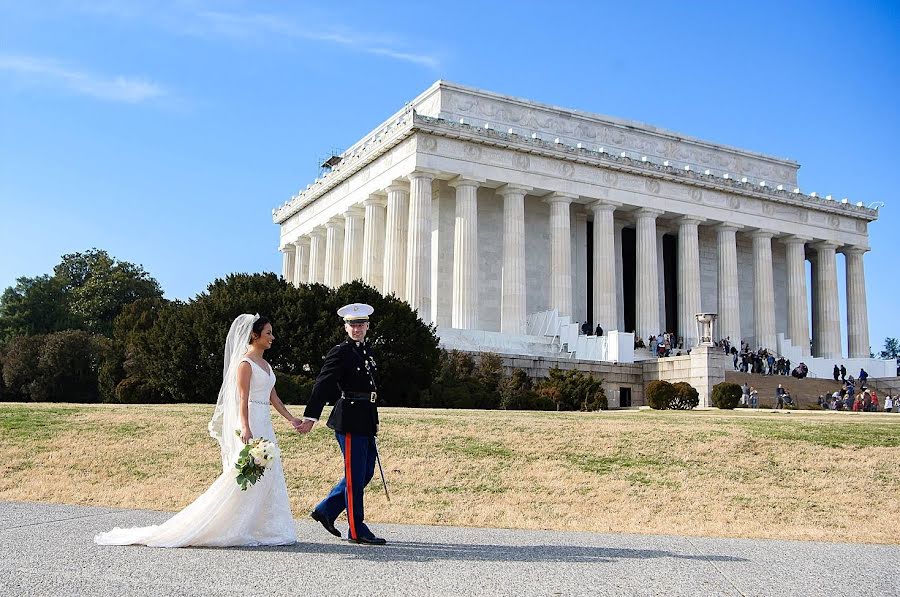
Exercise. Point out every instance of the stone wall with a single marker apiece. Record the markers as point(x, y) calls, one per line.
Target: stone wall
point(885, 386)
point(703, 369)
point(615, 377)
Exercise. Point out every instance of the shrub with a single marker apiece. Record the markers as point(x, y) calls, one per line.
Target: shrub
point(573, 390)
point(459, 384)
point(517, 393)
point(660, 394)
point(726, 395)
point(686, 396)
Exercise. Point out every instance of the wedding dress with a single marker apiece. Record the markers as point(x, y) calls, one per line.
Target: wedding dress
point(224, 515)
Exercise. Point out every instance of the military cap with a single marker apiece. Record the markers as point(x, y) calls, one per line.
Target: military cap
point(355, 312)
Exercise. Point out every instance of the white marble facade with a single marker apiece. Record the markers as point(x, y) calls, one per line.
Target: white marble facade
point(476, 209)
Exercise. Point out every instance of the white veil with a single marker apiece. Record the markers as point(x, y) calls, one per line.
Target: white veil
point(225, 419)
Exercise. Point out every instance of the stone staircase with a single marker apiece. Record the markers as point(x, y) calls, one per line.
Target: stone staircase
point(566, 336)
point(803, 391)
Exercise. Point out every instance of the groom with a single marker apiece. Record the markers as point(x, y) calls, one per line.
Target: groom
point(347, 379)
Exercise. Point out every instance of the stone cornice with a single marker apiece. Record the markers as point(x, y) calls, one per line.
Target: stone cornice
point(453, 102)
point(355, 159)
point(487, 136)
point(407, 123)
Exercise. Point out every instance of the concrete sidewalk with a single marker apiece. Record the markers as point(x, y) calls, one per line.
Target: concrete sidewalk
point(49, 550)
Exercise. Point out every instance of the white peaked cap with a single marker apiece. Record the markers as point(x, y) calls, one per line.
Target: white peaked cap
point(355, 312)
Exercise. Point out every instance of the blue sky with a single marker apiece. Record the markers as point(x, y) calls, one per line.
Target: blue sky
point(165, 132)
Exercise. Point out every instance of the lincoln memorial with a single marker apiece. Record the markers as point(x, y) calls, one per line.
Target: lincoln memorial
point(501, 219)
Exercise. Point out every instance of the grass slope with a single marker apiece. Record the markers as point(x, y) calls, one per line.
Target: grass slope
point(803, 475)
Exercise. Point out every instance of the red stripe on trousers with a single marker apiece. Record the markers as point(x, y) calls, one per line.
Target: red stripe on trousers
point(348, 476)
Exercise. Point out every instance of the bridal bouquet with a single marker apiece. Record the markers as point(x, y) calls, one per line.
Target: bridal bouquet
point(253, 460)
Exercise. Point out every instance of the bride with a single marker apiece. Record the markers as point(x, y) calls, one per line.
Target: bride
point(224, 515)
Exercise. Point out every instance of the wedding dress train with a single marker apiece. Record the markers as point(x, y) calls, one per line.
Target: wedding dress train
point(224, 515)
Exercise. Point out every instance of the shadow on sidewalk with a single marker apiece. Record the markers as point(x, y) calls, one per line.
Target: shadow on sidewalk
point(411, 551)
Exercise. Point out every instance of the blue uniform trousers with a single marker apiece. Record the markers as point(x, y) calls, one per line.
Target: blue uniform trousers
point(359, 467)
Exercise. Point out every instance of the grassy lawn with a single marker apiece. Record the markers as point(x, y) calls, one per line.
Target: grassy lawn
point(803, 475)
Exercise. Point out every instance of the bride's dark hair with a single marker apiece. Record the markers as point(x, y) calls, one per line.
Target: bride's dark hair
point(257, 329)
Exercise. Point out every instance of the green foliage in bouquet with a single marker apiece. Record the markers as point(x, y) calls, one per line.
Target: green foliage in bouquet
point(251, 464)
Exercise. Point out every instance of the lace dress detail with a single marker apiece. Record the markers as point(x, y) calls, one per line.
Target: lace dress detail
point(224, 515)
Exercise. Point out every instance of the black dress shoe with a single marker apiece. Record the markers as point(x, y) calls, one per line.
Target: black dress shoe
point(329, 526)
point(373, 540)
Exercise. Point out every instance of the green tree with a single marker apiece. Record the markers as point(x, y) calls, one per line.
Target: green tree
point(99, 286)
point(891, 349)
point(175, 350)
point(86, 291)
point(58, 367)
point(34, 306)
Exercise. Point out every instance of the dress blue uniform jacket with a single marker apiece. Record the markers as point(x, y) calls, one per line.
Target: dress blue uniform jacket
point(350, 368)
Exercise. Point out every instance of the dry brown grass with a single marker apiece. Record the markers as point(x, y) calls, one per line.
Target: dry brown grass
point(816, 476)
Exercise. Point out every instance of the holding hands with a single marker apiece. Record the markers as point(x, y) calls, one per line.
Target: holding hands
point(302, 425)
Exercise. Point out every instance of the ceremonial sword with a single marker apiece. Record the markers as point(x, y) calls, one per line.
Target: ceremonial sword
point(381, 470)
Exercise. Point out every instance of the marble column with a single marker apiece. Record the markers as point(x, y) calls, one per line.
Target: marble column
point(605, 295)
point(814, 301)
point(418, 253)
point(395, 239)
point(561, 252)
point(797, 311)
point(301, 261)
point(512, 292)
point(464, 313)
point(829, 331)
point(688, 278)
point(620, 281)
point(287, 261)
point(317, 256)
point(334, 247)
point(373, 242)
point(647, 275)
point(351, 266)
point(763, 291)
point(857, 312)
point(729, 304)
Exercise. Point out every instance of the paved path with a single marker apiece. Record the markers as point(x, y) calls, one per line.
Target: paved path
point(49, 550)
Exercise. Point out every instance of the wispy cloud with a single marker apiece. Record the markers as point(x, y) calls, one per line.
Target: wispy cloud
point(39, 71)
point(197, 19)
point(260, 26)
